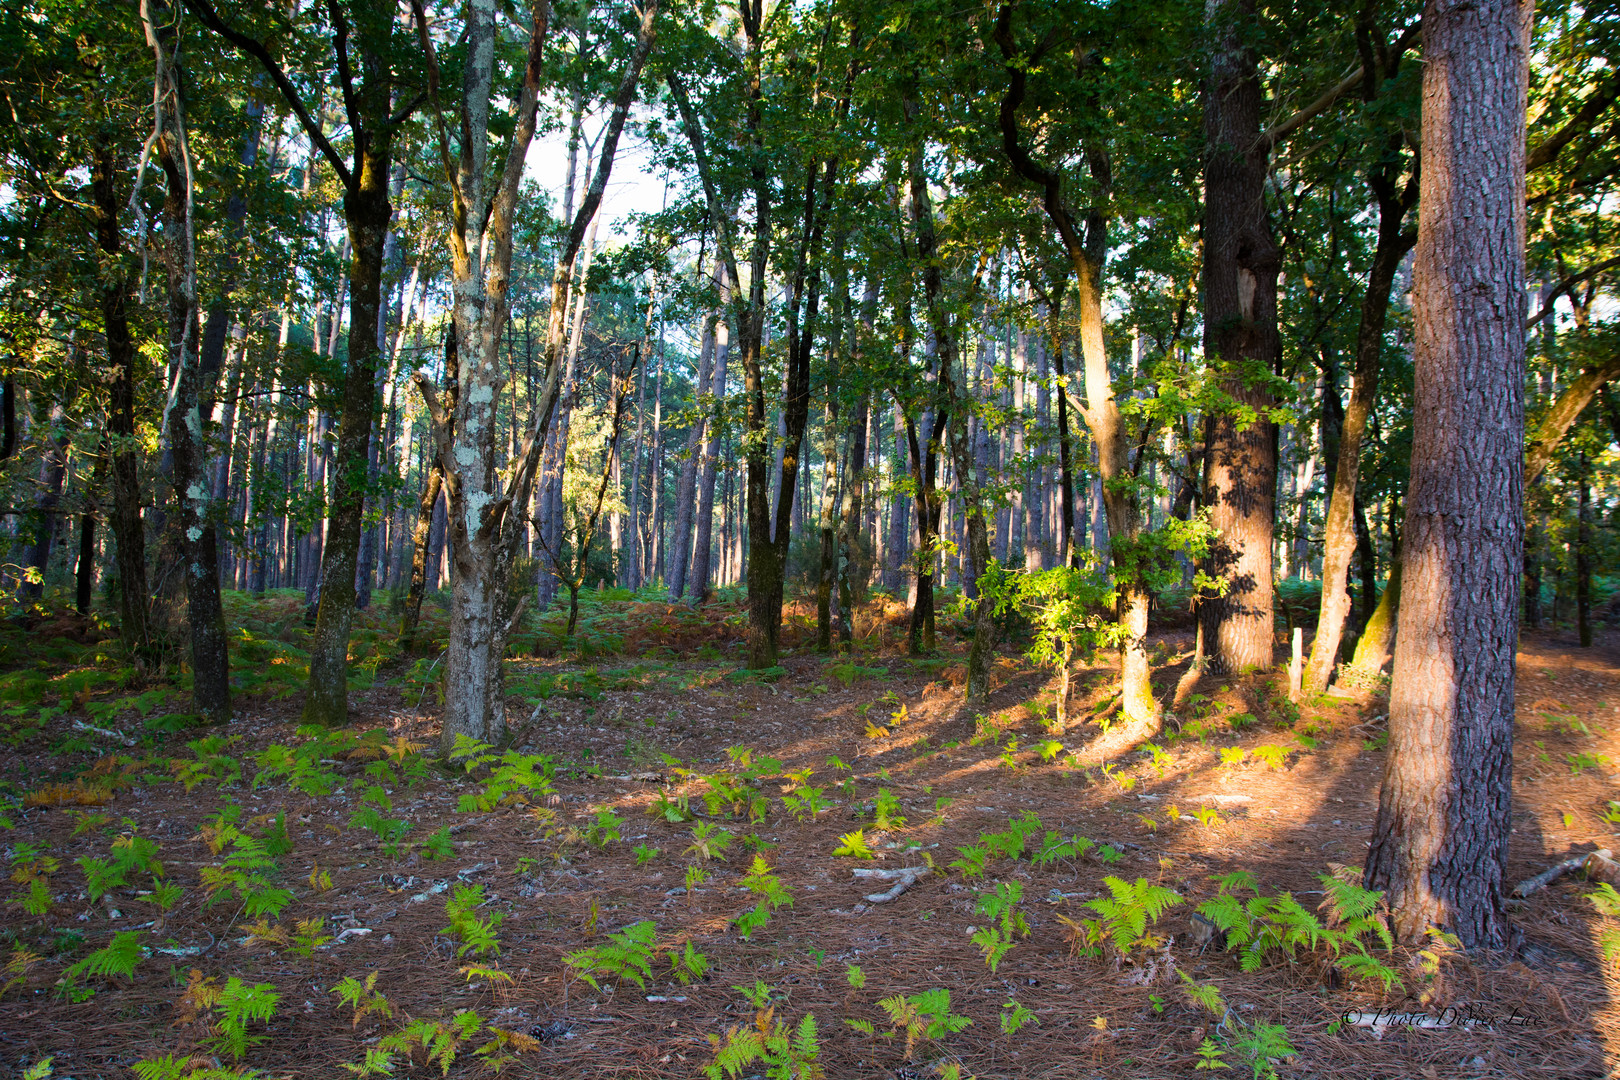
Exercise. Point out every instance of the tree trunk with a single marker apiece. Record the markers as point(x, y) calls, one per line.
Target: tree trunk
point(1372, 646)
point(47, 500)
point(1241, 261)
point(1339, 537)
point(703, 545)
point(485, 505)
point(85, 573)
point(686, 488)
point(1440, 845)
point(366, 212)
point(129, 532)
point(189, 402)
point(1583, 556)
point(419, 558)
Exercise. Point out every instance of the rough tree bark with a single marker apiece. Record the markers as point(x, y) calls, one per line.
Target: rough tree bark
point(1241, 261)
point(485, 505)
point(1440, 845)
point(362, 34)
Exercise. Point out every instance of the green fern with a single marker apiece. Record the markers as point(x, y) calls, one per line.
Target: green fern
point(240, 1005)
point(627, 955)
point(973, 861)
point(1126, 916)
point(118, 957)
point(688, 965)
point(886, 815)
point(926, 1015)
point(1607, 902)
point(762, 883)
point(854, 846)
point(1001, 906)
point(363, 997)
point(1204, 995)
point(709, 841)
point(477, 936)
point(786, 1054)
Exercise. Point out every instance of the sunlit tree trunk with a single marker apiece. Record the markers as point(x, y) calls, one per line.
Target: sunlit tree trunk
point(484, 504)
point(1339, 538)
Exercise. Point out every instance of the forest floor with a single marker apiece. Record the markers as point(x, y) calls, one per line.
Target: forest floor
point(356, 838)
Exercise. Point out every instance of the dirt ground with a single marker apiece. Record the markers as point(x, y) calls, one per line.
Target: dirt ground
point(1548, 1010)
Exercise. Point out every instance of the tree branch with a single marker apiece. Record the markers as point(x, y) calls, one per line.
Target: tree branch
point(1569, 283)
point(253, 47)
point(1547, 152)
point(340, 48)
point(457, 199)
point(1275, 134)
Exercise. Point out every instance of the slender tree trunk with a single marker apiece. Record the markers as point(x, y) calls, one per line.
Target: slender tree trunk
point(189, 403)
point(85, 574)
point(129, 532)
point(702, 552)
point(1535, 541)
point(47, 500)
point(1440, 844)
point(686, 488)
point(1339, 539)
point(1583, 556)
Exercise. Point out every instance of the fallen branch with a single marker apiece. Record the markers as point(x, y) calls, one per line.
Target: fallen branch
point(91, 729)
point(1598, 864)
point(903, 878)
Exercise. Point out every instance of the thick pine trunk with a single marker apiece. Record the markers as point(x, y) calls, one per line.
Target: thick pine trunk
point(1440, 845)
point(1241, 262)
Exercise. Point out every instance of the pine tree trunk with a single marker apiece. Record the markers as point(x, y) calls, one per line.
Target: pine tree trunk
point(686, 488)
point(1440, 844)
point(1583, 556)
point(1241, 262)
point(47, 499)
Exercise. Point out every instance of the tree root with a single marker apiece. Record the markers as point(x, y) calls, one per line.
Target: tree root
point(1119, 739)
point(903, 878)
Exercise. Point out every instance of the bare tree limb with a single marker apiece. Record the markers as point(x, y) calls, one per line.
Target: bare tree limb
point(1567, 284)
